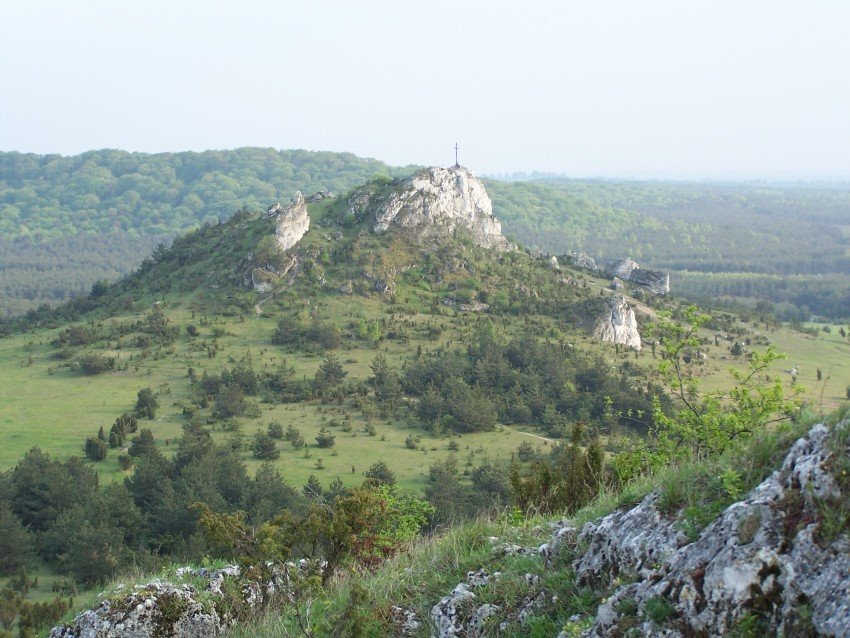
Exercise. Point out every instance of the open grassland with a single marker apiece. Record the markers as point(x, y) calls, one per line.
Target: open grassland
point(57, 408)
point(49, 405)
point(46, 402)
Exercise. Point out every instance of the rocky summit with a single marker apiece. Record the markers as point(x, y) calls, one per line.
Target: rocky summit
point(440, 201)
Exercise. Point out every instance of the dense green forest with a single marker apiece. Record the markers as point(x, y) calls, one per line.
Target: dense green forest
point(67, 222)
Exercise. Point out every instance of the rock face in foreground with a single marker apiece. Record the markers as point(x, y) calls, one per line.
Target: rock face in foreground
point(762, 558)
point(292, 221)
point(436, 202)
point(155, 610)
point(617, 324)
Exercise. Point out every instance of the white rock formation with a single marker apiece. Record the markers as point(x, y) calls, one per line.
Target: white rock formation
point(155, 610)
point(617, 324)
point(439, 201)
point(656, 281)
point(582, 260)
point(621, 268)
point(292, 221)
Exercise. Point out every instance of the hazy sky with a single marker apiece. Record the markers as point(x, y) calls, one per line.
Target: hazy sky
point(635, 88)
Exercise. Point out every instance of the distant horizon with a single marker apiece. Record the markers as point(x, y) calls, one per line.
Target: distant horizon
point(533, 174)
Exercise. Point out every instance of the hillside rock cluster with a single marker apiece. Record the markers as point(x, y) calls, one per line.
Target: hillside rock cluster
point(764, 558)
point(656, 281)
point(616, 323)
point(436, 202)
point(582, 260)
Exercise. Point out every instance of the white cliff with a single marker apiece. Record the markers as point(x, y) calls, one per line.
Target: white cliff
point(292, 221)
point(617, 323)
point(440, 201)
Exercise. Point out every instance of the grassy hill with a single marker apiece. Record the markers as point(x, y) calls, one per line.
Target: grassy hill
point(68, 222)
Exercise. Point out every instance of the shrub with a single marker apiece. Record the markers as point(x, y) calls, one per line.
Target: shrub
point(264, 447)
point(146, 403)
point(380, 474)
point(325, 438)
point(95, 364)
point(275, 430)
point(95, 448)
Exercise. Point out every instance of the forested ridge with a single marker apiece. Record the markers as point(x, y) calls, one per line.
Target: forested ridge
point(67, 222)
point(789, 244)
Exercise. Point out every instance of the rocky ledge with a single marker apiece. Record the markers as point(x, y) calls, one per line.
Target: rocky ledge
point(762, 560)
point(656, 281)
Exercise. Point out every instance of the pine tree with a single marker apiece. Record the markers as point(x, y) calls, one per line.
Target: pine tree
point(264, 447)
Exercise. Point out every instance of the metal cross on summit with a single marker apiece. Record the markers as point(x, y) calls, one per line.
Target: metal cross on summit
point(456, 162)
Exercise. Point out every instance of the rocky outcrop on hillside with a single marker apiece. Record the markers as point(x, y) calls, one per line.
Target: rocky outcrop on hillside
point(621, 268)
point(763, 561)
point(656, 281)
point(582, 260)
point(437, 202)
point(156, 610)
point(616, 323)
point(292, 221)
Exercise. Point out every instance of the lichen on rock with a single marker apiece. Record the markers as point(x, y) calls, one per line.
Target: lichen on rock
point(760, 558)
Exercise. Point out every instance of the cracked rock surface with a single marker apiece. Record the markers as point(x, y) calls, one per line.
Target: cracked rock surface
point(760, 557)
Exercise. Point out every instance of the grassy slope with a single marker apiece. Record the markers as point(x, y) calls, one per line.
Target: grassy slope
point(57, 408)
point(418, 578)
point(51, 406)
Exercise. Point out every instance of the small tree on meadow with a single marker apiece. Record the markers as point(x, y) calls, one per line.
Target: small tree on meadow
point(380, 474)
point(325, 438)
point(95, 448)
point(146, 403)
point(330, 373)
point(264, 447)
point(275, 430)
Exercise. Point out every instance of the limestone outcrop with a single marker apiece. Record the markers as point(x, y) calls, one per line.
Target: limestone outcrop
point(621, 268)
point(437, 202)
point(292, 221)
point(762, 557)
point(582, 260)
point(656, 281)
point(154, 610)
point(616, 323)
